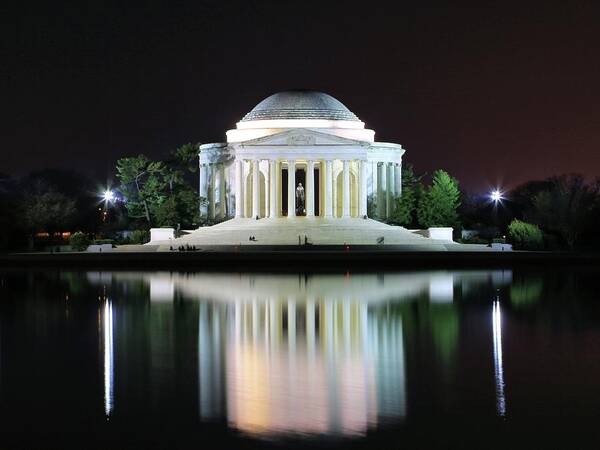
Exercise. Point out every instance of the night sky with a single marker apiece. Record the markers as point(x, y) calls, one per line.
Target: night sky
point(495, 95)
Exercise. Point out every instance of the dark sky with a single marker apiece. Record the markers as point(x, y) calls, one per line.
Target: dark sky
point(495, 95)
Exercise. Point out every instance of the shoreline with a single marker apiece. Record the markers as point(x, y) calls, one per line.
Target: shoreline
point(295, 258)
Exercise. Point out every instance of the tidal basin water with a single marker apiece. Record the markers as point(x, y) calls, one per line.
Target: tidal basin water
point(477, 358)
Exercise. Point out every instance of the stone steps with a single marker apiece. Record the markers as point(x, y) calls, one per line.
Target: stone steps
point(319, 231)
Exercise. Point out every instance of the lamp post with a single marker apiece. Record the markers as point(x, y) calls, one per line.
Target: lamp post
point(496, 196)
point(108, 196)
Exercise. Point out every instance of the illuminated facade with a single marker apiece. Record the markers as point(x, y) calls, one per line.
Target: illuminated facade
point(301, 168)
point(299, 153)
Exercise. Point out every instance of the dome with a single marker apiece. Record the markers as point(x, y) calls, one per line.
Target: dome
point(300, 104)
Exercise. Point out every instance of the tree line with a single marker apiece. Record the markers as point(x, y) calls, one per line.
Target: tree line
point(560, 212)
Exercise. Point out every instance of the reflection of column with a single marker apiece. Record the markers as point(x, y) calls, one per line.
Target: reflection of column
point(291, 188)
point(346, 321)
point(239, 177)
point(498, 368)
point(310, 328)
point(386, 348)
point(210, 362)
point(328, 188)
point(346, 193)
point(255, 189)
point(273, 178)
point(291, 319)
point(310, 189)
point(362, 192)
point(108, 359)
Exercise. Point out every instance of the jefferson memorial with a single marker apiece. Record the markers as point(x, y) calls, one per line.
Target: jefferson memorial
point(301, 168)
point(299, 153)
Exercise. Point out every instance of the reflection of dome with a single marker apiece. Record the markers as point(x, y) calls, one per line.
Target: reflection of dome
point(300, 104)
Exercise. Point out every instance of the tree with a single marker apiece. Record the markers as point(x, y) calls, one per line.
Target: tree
point(185, 157)
point(44, 209)
point(439, 204)
point(73, 185)
point(564, 207)
point(406, 203)
point(525, 236)
point(180, 209)
point(79, 241)
point(143, 185)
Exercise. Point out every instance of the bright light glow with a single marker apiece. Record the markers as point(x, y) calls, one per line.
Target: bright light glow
point(108, 195)
point(496, 195)
point(108, 358)
point(498, 367)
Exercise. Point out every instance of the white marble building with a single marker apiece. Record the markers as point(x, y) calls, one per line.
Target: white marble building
point(306, 150)
point(300, 148)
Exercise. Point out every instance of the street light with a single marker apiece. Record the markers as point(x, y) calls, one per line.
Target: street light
point(108, 196)
point(496, 195)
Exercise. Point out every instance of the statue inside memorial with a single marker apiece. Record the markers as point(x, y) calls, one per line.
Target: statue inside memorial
point(300, 200)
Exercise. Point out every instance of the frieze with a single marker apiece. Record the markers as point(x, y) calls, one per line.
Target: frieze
point(301, 139)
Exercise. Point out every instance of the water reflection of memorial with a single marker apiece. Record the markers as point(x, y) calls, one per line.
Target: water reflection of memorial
point(303, 354)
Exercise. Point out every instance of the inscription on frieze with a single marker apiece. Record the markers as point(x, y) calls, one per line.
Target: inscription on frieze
point(301, 139)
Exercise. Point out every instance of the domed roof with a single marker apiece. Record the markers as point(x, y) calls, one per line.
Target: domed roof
point(300, 104)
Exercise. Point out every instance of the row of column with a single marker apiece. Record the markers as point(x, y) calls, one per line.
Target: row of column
point(386, 178)
point(273, 184)
point(387, 184)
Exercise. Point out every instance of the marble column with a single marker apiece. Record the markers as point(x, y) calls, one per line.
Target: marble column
point(328, 188)
point(392, 188)
point(346, 193)
point(272, 188)
point(255, 189)
point(398, 179)
point(381, 191)
point(222, 192)
point(211, 192)
point(239, 181)
point(362, 192)
point(310, 189)
point(291, 188)
point(203, 190)
point(389, 192)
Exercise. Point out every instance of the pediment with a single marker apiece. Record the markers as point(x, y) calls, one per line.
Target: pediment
point(301, 137)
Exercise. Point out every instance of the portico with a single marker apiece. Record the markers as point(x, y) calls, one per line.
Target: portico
point(299, 154)
point(271, 186)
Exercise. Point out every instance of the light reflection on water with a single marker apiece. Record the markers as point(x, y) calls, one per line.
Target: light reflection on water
point(296, 354)
point(108, 349)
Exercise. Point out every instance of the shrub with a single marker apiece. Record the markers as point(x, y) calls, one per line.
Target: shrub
point(79, 241)
point(525, 236)
point(475, 240)
point(140, 237)
point(123, 241)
